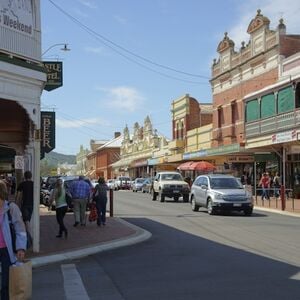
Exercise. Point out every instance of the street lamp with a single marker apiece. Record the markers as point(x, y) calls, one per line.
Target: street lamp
point(65, 48)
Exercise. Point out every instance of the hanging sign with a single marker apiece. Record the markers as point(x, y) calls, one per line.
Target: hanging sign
point(54, 75)
point(47, 132)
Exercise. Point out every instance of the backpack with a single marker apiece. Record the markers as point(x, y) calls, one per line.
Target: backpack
point(13, 233)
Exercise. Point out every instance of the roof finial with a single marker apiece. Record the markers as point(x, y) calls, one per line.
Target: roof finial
point(258, 12)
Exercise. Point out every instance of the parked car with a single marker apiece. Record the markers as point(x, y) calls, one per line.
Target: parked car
point(147, 185)
point(218, 192)
point(170, 184)
point(123, 183)
point(137, 184)
point(111, 183)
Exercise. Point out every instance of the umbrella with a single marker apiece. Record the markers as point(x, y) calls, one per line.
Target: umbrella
point(186, 166)
point(203, 166)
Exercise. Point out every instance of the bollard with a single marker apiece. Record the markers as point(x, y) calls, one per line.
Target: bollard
point(111, 203)
point(282, 197)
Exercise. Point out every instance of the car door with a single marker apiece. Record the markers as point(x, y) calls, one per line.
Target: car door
point(203, 191)
point(196, 189)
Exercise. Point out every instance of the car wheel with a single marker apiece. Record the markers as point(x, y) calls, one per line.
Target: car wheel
point(154, 196)
point(176, 198)
point(195, 207)
point(248, 211)
point(162, 198)
point(211, 210)
point(143, 191)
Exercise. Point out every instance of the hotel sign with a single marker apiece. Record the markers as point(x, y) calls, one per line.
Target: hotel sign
point(54, 75)
point(284, 137)
point(17, 15)
point(47, 132)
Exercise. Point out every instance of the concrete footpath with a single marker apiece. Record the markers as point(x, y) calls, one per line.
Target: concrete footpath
point(86, 240)
point(82, 240)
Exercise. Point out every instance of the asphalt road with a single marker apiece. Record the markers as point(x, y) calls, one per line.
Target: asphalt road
point(191, 255)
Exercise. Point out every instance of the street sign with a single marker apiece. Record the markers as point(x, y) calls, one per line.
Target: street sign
point(19, 162)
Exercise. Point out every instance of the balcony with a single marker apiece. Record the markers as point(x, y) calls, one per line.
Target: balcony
point(273, 124)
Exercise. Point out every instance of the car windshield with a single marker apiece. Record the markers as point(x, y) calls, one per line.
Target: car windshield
point(141, 180)
point(225, 183)
point(171, 177)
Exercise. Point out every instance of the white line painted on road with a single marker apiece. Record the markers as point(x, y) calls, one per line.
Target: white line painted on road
point(296, 276)
point(73, 285)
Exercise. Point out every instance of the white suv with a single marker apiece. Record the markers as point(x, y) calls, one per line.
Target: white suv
point(218, 193)
point(170, 184)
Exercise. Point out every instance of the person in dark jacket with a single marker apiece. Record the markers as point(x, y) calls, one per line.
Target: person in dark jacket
point(100, 198)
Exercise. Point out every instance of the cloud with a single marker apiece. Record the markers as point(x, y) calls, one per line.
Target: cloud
point(95, 50)
point(123, 98)
point(87, 3)
point(63, 123)
point(289, 10)
point(120, 20)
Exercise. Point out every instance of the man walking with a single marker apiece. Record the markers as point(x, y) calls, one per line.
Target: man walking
point(25, 197)
point(80, 191)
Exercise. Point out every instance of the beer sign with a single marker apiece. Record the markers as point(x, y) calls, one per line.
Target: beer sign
point(47, 132)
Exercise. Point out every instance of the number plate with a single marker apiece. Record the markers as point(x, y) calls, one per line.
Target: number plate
point(237, 204)
point(175, 192)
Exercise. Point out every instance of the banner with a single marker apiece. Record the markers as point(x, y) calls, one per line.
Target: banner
point(47, 132)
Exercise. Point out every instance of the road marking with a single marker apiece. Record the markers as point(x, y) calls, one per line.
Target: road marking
point(296, 276)
point(73, 285)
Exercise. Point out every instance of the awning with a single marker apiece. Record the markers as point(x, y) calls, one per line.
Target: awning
point(123, 162)
point(203, 166)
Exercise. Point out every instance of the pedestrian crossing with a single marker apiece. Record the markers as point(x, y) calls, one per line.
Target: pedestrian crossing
point(73, 285)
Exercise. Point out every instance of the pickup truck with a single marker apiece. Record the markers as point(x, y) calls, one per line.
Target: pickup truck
point(170, 184)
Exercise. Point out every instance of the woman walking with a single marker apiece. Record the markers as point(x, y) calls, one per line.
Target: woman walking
point(100, 198)
point(7, 255)
point(59, 196)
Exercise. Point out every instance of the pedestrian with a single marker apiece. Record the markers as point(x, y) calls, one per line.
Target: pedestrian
point(100, 198)
point(58, 194)
point(276, 185)
point(80, 191)
point(265, 184)
point(7, 255)
point(25, 198)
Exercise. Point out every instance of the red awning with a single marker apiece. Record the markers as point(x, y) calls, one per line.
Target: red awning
point(202, 166)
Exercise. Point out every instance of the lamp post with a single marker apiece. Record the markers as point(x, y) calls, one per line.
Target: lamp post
point(65, 48)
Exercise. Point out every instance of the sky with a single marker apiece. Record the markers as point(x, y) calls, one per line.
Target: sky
point(130, 59)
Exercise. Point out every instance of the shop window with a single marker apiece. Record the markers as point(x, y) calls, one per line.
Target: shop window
point(252, 110)
point(267, 106)
point(285, 101)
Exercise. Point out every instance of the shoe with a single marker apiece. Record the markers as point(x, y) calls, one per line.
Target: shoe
point(103, 224)
point(59, 236)
point(76, 224)
point(82, 224)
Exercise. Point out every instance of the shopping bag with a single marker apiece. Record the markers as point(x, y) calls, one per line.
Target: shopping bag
point(93, 213)
point(20, 281)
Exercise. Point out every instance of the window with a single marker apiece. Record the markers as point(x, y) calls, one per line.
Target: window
point(297, 95)
point(234, 112)
point(252, 110)
point(285, 101)
point(267, 106)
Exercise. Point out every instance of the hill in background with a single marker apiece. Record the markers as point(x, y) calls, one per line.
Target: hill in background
point(50, 162)
point(54, 158)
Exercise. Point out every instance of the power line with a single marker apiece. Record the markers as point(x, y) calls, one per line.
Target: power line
point(101, 38)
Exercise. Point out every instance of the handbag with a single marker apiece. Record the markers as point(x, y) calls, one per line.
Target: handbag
point(93, 216)
point(20, 281)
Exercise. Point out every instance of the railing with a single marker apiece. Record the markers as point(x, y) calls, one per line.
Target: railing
point(273, 124)
point(275, 199)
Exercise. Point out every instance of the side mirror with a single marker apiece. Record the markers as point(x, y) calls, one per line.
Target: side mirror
point(204, 187)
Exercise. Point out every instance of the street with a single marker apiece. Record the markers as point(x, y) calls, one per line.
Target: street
point(191, 255)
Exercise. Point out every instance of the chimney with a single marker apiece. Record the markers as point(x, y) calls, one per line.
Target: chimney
point(281, 27)
point(117, 134)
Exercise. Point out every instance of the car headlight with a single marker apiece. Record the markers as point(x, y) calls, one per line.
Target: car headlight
point(218, 196)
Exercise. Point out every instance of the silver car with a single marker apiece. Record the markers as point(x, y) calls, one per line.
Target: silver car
point(218, 193)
